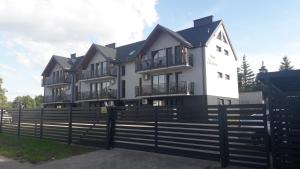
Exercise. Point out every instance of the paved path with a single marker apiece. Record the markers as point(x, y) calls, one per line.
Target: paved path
point(119, 159)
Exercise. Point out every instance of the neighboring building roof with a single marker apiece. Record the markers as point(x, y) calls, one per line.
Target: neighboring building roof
point(128, 52)
point(65, 63)
point(107, 52)
point(199, 35)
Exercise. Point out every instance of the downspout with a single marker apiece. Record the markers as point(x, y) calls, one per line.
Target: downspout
point(204, 73)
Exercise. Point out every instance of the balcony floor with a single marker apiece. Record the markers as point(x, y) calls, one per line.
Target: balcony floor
point(159, 69)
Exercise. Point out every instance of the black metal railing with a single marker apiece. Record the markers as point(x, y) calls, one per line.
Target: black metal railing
point(53, 81)
point(87, 74)
point(148, 64)
point(58, 98)
point(102, 94)
point(182, 87)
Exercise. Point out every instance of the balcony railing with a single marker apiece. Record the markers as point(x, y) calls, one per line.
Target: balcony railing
point(163, 62)
point(183, 87)
point(51, 81)
point(58, 98)
point(103, 94)
point(85, 75)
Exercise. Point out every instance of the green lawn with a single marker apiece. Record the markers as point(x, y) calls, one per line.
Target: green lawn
point(36, 150)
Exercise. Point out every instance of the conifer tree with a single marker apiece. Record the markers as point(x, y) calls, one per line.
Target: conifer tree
point(246, 77)
point(285, 64)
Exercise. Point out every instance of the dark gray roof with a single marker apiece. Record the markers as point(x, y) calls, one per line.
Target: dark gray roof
point(176, 35)
point(107, 51)
point(64, 62)
point(199, 35)
point(194, 36)
point(128, 52)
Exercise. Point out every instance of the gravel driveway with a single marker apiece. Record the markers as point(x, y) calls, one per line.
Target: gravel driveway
point(118, 159)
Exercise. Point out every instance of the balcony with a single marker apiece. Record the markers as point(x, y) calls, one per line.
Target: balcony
point(106, 94)
point(56, 81)
point(64, 98)
point(175, 89)
point(150, 65)
point(95, 75)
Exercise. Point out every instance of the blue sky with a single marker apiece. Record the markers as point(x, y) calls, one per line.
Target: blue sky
point(31, 32)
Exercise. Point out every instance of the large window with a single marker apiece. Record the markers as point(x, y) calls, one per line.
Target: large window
point(159, 57)
point(177, 54)
point(104, 68)
point(159, 83)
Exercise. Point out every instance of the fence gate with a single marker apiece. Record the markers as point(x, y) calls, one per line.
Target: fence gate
point(285, 129)
point(247, 135)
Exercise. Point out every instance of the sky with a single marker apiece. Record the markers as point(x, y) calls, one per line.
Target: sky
point(32, 31)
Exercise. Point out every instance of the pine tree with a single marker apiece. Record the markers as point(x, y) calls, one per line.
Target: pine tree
point(285, 64)
point(246, 77)
point(258, 84)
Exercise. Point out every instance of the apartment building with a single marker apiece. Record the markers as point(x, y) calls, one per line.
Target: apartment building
point(192, 67)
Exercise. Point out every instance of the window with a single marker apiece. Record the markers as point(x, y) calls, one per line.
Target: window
point(123, 70)
point(227, 77)
point(92, 70)
point(224, 39)
point(159, 57)
point(97, 69)
point(219, 36)
point(104, 68)
point(159, 103)
point(229, 102)
point(169, 56)
point(220, 101)
point(226, 52)
point(177, 54)
point(220, 75)
point(219, 49)
point(158, 83)
point(123, 88)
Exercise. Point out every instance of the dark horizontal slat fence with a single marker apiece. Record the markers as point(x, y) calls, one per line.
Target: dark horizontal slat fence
point(86, 126)
point(285, 129)
point(232, 134)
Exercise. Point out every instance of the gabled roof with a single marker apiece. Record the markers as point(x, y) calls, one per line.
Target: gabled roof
point(199, 35)
point(108, 53)
point(64, 62)
point(159, 29)
point(129, 52)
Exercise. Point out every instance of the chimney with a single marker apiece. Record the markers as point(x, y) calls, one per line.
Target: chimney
point(73, 56)
point(203, 21)
point(112, 45)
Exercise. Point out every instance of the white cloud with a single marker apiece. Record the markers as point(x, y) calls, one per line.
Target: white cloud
point(34, 30)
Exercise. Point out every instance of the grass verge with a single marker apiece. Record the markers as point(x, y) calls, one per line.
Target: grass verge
point(36, 150)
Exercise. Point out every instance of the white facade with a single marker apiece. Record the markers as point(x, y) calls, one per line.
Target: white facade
point(208, 70)
point(218, 62)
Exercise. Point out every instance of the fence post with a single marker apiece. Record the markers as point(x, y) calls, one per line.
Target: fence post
point(155, 128)
point(70, 125)
point(223, 133)
point(110, 127)
point(41, 123)
point(19, 120)
point(1, 118)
